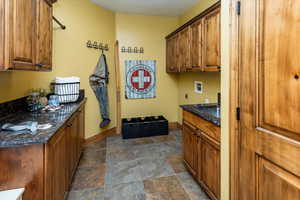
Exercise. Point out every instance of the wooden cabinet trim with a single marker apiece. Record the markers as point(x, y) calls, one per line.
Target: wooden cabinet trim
point(191, 126)
point(190, 168)
point(210, 140)
point(207, 190)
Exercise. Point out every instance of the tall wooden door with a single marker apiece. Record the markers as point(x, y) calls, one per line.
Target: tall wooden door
point(270, 100)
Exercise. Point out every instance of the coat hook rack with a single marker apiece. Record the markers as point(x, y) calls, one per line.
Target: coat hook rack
point(96, 45)
point(132, 50)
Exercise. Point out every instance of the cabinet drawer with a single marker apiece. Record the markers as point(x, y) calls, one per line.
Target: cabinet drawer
point(207, 127)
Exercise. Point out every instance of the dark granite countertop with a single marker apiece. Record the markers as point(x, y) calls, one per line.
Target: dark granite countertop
point(209, 112)
point(57, 119)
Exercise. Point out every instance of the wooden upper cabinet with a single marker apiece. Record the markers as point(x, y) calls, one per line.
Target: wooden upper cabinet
point(185, 49)
point(2, 39)
point(196, 45)
point(211, 41)
point(172, 65)
point(22, 33)
point(26, 35)
point(44, 35)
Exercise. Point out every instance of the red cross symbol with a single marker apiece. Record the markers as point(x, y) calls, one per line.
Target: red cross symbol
point(141, 79)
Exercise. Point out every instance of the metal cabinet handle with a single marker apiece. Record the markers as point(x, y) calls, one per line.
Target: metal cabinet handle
point(39, 65)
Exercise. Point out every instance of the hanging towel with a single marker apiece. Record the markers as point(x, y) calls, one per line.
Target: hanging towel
point(98, 82)
point(101, 71)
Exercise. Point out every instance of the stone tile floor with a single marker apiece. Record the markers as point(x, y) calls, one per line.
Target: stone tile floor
point(137, 169)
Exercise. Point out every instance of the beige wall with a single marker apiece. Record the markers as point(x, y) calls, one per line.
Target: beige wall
point(148, 32)
point(211, 86)
point(84, 21)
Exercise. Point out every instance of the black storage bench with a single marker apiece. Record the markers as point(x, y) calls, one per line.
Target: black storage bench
point(144, 127)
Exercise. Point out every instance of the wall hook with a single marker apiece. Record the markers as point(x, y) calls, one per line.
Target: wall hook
point(132, 50)
point(96, 45)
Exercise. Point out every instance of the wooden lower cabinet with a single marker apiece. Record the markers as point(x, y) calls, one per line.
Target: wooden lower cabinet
point(66, 156)
point(201, 154)
point(45, 170)
point(55, 165)
point(190, 147)
point(210, 167)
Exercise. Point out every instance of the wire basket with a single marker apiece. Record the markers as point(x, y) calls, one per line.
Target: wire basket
point(66, 92)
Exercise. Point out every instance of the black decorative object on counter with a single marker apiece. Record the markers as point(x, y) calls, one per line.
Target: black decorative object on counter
point(144, 127)
point(12, 107)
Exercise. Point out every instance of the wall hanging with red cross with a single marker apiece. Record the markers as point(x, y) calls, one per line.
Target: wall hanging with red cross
point(140, 79)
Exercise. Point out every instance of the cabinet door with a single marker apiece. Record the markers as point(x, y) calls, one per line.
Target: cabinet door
point(210, 177)
point(196, 45)
point(44, 35)
point(211, 40)
point(70, 149)
point(81, 129)
point(2, 34)
point(184, 50)
point(22, 34)
point(55, 167)
point(172, 65)
point(190, 147)
point(74, 144)
point(199, 159)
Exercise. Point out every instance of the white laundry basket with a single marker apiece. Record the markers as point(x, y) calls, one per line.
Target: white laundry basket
point(67, 89)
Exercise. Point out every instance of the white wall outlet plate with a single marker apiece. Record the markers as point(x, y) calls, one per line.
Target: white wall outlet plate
point(198, 87)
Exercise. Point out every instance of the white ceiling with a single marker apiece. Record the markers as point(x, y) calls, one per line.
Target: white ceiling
point(148, 7)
